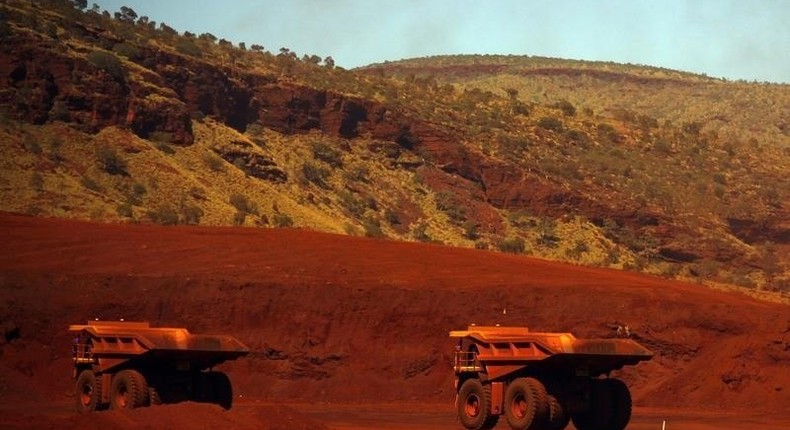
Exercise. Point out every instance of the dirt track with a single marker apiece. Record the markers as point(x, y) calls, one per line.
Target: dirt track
point(333, 319)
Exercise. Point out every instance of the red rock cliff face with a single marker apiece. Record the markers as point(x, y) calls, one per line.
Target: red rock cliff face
point(42, 82)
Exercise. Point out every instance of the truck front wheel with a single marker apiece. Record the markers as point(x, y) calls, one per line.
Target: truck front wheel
point(558, 415)
point(88, 392)
point(474, 405)
point(129, 390)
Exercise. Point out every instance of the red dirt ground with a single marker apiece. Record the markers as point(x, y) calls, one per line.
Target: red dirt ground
point(352, 333)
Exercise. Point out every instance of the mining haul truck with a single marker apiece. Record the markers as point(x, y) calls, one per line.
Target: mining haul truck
point(126, 365)
point(541, 381)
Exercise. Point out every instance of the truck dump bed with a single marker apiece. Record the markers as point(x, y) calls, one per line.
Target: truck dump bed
point(110, 342)
point(501, 349)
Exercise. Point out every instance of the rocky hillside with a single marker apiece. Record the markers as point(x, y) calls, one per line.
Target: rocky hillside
point(121, 119)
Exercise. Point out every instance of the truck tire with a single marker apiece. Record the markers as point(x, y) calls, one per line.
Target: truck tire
point(525, 404)
point(129, 390)
point(88, 389)
point(558, 417)
point(153, 396)
point(621, 404)
point(474, 405)
point(599, 414)
point(222, 389)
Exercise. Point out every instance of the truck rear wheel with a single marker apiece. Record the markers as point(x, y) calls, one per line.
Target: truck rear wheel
point(222, 389)
point(525, 404)
point(599, 414)
point(620, 402)
point(129, 390)
point(474, 405)
point(88, 392)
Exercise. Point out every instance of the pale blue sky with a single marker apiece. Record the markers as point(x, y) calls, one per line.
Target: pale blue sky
point(734, 39)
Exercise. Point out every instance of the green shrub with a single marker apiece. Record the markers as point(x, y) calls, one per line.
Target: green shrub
point(127, 50)
point(198, 193)
point(327, 154)
point(579, 248)
point(550, 123)
point(608, 133)
point(165, 148)
point(577, 136)
point(420, 233)
point(110, 161)
point(239, 217)
point(372, 227)
point(108, 62)
point(513, 147)
point(188, 47)
point(566, 107)
point(392, 217)
point(192, 214)
point(90, 184)
point(521, 108)
point(316, 174)
point(164, 214)
point(547, 235)
point(282, 220)
point(357, 174)
point(241, 164)
point(447, 202)
point(471, 230)
point(124, 210)
point(513, 245)
point(213, 162)
point(351, 203)
point(242, 203)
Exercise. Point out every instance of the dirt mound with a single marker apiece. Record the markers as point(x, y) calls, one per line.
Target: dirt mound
point(334, 318)
point(178, 416)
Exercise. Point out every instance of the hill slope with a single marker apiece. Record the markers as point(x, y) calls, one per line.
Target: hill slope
point(596, 163)
point(349, 319)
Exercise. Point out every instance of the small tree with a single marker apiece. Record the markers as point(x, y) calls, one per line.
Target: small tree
point(208, 37)
point(126, 14)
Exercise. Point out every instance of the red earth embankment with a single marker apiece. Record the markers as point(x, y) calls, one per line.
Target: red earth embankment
point(342, 319)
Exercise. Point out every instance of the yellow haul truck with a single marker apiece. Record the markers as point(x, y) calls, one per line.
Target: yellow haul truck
point(541, 381)
point(127, 365)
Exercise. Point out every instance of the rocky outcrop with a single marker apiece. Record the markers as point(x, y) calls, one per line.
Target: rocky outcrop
point(40, 82)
